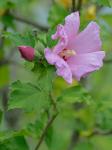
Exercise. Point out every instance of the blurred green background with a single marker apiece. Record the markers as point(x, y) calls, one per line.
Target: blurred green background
point(87, 127)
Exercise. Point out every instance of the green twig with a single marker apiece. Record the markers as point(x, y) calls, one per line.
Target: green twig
point(50, 121)
point(100, 132)
point(53, 103)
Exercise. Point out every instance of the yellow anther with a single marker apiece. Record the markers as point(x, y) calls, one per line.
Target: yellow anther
point(67, 53)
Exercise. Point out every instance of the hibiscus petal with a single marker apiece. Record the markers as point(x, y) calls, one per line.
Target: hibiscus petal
point(59, 33)
point(61, 66)
point(72, 23)
point(63, 40)
point(83, 64)
point(88, 40)
point(68, 31)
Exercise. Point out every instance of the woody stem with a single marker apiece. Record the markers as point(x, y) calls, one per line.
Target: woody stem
point(73, 5)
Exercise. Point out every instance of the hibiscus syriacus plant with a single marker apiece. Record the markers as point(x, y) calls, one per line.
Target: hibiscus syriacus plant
point(43, 95)
point(76, 54)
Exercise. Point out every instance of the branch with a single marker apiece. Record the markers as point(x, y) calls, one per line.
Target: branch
point(36, 25)
point(98, 132)
point(73, 5)
point(53, 1)
point(50, 121)
point(79, 5)
point(74, 140)
point(4, 93)
point(10, 62)
point(107, 61)
point(2, 38)
point(76, 137)
point(53, 103)
point(45, 131)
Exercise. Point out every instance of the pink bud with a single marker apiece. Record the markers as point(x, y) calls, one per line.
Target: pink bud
point(27, 52)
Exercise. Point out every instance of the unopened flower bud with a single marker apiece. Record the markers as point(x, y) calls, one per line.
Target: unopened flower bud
point(27, 52)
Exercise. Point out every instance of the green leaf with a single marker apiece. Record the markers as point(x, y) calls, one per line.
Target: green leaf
point(103, 2)
point(6, 4)
point(41, 37)
point(51, 42)
point(8, 134)
point(8, 20)
point(102, 142)
point(15, 143)
point(35, 129)
point(72, 100)
point(18, 39)
point(75, 94)
point(84, 145)
point(3, 4)
point(27, 96)
point(45, 76)
point(57, 15)
point(104, 117)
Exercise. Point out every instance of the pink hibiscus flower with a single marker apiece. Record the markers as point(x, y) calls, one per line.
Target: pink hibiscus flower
point(76, 54)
